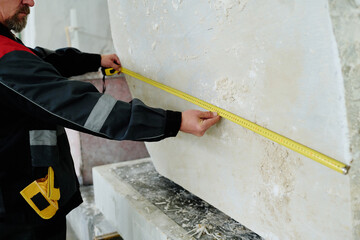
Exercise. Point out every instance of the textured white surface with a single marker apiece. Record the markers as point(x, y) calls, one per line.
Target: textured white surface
point(274, 63)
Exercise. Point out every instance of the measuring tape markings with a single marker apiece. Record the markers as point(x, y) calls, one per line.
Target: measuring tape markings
point(295, 146)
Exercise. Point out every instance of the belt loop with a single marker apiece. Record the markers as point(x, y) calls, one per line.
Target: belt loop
point(2, 205)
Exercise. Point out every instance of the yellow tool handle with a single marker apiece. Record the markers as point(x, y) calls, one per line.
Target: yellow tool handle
point(295, 146)
point(42, 196)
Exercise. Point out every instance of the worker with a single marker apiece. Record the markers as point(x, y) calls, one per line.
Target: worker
point(38, 184)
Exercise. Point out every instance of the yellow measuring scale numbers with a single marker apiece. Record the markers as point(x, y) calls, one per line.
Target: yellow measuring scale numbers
point(295, 146)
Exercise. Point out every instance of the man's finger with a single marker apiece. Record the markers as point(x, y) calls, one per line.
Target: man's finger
point(210, 121)
point(116, 65)
point(117, 60)
point(206, 115)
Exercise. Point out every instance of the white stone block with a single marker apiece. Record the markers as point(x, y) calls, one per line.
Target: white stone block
point(134, 217)
point(275, 63)
point(143, 205)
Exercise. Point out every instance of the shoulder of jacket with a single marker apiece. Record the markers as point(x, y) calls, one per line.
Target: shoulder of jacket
point(8, 45)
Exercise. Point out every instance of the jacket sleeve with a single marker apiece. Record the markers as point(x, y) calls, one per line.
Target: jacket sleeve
point(35, 88)
point(70, 61)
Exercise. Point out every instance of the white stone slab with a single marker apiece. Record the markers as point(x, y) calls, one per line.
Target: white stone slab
point(274, 63)
point(133, 216)
point(154, 207)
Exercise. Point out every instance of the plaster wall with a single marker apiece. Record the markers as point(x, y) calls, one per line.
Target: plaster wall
point(275, 63)
point(48, 21)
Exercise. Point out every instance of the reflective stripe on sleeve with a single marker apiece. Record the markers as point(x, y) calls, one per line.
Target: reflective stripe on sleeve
point(100, 113)
point(43, 137)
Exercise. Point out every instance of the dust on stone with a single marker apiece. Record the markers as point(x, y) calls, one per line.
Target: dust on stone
point(184, 208)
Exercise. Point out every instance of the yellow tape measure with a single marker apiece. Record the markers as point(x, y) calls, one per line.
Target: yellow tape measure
point(295, 146)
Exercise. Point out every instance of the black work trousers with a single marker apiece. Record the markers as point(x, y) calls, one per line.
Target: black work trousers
point(53, 230)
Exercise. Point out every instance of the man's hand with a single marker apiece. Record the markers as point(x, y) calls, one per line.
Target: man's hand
point(197, 122)
point(111, 61)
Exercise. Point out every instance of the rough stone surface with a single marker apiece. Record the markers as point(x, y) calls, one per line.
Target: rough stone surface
point(345, 16)
point(177, 205)
point(275, 63)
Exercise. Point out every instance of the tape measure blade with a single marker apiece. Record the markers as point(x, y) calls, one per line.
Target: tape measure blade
point(273, 136)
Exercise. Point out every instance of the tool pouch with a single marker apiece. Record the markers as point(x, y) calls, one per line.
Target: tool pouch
point(42, 196)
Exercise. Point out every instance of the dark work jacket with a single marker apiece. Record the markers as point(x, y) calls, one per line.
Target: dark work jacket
point(37, 101)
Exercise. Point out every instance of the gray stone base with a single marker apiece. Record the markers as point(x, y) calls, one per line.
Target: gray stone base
point(142, 205)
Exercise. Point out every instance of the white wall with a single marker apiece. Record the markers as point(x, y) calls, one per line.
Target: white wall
point(48, 20)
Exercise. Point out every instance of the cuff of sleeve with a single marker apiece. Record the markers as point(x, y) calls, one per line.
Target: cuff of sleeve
point(93, 61)
point(173, 122)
